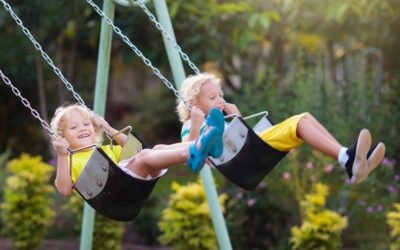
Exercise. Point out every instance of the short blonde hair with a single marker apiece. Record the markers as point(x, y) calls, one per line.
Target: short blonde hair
point(190, 90)
point(57, 123)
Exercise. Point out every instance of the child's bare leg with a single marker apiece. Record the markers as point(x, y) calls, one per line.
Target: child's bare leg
point(314, 134)
point(151, 162)
point(172, 146)
point(311, 119)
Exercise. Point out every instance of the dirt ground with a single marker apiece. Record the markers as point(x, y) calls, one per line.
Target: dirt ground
point(5, 244)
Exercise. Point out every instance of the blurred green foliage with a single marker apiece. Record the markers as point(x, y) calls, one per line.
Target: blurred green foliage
point(321, 228)
point(393, 219)
point(186, 222)
point(335, 59)
point(107, 233)
point(26, 210)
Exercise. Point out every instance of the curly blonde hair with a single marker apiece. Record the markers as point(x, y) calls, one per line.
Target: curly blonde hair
point(57, 123)
point(190, 90)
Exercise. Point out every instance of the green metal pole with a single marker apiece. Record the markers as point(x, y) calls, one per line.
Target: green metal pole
point(100, 96)
point(206, 175)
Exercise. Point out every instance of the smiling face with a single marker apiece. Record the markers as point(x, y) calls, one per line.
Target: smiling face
point(78, 129)
point(210, 96)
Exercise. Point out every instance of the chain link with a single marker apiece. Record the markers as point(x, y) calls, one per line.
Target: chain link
point(145, 60)
point(158, 25)
point(44, 55)
point(26, 103)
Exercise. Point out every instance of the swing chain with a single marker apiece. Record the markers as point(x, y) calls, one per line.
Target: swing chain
point(26, 103)
point(172, 40)
point(145, 60)
point(44, 55)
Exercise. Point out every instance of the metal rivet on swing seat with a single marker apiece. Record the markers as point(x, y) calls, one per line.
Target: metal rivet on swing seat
point(221, 159)
point(89, 193)
point(138, 150)
point(99, 183)
point(242, 135)
point(104, 168)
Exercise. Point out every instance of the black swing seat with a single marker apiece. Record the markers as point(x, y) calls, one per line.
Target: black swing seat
point(246, 158)
point(108, 189)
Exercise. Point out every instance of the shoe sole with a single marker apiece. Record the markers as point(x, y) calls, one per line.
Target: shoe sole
point(360, 162)
point(374, 159)
point(205, 146)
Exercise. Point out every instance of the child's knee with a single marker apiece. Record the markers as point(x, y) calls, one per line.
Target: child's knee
point(159, 146)
point(142, 154)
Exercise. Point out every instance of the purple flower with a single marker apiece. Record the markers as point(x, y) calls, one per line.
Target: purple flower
point(380, 207)
point(370, 209)
point(52, 162)
point(286, 176)
point(310, 165)
point(328, 168)
point(392, 189)
point(239, 195)
point(251, 202)
point(397, 177)
point(262, 185)
point(361, 202)
point(388, 163)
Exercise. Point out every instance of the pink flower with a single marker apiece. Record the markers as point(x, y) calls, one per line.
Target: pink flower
point(328, 168)
point(370, 209)
point(310, 165)
point(286, 176)
point(361, 202)
point(392, 189)
point(52, 162)
point(251, 202)
point(380, 207)
point(239, 195)
point(388, 163)
point(397, 177)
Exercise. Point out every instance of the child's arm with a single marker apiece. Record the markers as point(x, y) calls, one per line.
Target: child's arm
point(197, 118)
point(63, 181)
point(120, 138)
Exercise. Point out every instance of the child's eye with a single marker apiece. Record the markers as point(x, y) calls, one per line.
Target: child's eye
point(73, 127)
point(86, 124)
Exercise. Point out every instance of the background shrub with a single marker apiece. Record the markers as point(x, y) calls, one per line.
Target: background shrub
point(186, 223)
point(26, 210)
point(107, 233)
point(321, 228)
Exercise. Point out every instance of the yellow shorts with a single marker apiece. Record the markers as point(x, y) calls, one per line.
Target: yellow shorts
point(283, 136)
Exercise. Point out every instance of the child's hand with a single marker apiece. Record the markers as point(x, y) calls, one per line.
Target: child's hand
point(197, 116)
point(100, 123)
point(61, 146)
point(230, 109)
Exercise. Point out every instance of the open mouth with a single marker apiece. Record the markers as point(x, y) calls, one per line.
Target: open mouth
point(82, 136)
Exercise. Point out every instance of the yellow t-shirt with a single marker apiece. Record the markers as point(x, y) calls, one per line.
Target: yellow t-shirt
point(80, 159)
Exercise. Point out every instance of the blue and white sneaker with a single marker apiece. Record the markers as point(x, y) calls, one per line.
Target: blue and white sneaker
point(199, 154)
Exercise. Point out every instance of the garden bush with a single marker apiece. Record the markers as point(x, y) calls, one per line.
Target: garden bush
point(393, 220)
point(107, 233)
point(186, 223)
point(321, 228)
point(26, 210)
